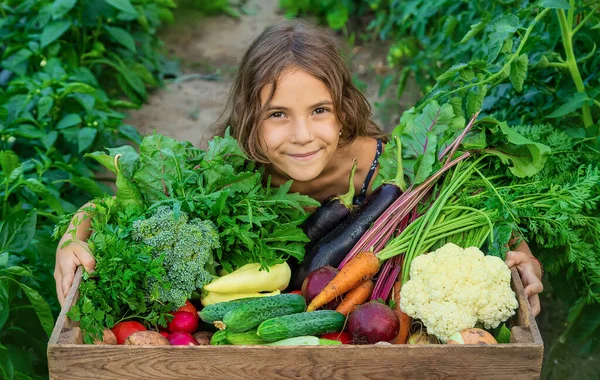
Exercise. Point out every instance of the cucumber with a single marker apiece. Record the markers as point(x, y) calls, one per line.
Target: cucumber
point(219, 339)
point(244, 338)
point(307, 323)
point(329, 342)
point(297, 341)
point(216, 311)
point(253, 313)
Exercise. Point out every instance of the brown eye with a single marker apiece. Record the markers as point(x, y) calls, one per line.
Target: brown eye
point(276, 115)
point(320, 110)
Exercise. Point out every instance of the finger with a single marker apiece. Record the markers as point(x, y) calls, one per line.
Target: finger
point(59, 290)
point(85, 259)
point(534, 303)
point(66, 283)
point(513, 258)
point(534, 288)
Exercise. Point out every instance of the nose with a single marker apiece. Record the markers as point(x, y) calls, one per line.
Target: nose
point(302, 133)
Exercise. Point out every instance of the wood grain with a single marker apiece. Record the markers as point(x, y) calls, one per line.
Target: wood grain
point(515, 361)
point(62, 321)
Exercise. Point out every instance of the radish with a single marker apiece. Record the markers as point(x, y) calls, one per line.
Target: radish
point(373, 322)
point(181, 339)
point(183, 321)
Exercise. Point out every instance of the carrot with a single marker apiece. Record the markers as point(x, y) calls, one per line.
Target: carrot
point(361, 267)
point(355, 297)
point(402, 316)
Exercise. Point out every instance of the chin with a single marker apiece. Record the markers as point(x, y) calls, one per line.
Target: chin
point(303, 175)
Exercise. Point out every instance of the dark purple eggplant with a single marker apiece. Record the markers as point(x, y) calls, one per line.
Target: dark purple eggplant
point(334, 246)
point(331, 213)
point(324, 219)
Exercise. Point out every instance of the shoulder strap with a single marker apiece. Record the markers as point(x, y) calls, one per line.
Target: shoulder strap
point(363, 191)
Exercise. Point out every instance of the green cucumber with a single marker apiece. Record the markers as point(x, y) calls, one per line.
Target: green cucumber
point(253, 313)
point(308, 323)
point(297, 341)
point(219, 339)
point(244, 338)
point(329, 342)
point(216, 311)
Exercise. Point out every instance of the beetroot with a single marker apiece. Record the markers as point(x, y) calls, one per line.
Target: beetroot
point(373, 322)
point(316, 281)
point(181, 339)
point(183, 321)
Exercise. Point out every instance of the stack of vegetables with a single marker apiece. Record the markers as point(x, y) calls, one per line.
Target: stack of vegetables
point(180, 215)
point(454, 191)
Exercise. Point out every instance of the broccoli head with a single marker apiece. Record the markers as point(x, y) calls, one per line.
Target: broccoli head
point(186, 247)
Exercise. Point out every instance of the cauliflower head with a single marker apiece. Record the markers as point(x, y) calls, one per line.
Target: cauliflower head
point(454, 288)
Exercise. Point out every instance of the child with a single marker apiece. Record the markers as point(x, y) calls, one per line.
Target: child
point(294, 109)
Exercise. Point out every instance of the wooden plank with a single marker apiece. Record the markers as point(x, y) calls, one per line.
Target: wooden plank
point(515, 362)
point(62, 321)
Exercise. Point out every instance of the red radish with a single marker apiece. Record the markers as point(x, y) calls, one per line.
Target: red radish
point(183, 321)
point(373, 322)
point(189, 308)
point(181, 339)
point(296, 292)
point(316, 281)
point(343, 337)
point(122, 330)
point(164, 333)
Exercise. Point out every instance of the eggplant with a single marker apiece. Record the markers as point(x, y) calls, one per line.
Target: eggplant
point(324, 219)
point(334, 246)
point(332, 212)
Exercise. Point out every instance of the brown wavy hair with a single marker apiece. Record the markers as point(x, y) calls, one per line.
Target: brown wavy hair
point(292, 43)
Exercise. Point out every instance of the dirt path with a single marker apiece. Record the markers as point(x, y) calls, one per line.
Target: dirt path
point(187, 108)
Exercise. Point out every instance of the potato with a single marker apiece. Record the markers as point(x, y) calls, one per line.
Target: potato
point(108, 337)
point(472, 336)
point(203, 337)
point(421, 337)
point(146, 338)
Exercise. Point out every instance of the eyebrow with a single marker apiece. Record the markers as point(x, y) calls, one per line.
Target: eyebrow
point(321, 103)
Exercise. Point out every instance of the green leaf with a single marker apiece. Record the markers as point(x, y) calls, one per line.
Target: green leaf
point(518, 71)
point(527, 157)
point(17, 231)
point(41, 308)
point(9, 161)
point(43, 192)
point(53, 31)
point(121, 36)
point(6, 366)
point(88, 185)
point(49, 139)
point(475, 29)
point(574, 103)
point(18, 271)
point(475, 99)
point(500, 28)
point(555, 4)
point(29, 131)
point(123, 5)
point(44, 106)
point(337, 17)
point(61, 7)
point(503, 335)
point(451, 71)
point(15, 62)
point(79, 88)
point(86, 138)
point(4, 300)
point(70, 120)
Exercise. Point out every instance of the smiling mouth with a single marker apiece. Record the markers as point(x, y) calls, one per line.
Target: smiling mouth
point(304, 156)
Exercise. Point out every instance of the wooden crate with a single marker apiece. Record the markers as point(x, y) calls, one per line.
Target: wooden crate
point(521, 359)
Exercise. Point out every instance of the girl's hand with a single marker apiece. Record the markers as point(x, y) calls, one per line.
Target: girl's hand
point(531, 275)
point(67, 261)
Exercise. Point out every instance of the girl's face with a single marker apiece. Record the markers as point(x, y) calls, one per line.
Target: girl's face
point(300, 132)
